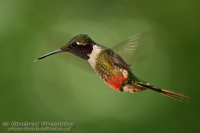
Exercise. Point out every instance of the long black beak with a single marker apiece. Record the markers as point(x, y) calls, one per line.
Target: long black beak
point(54, 52)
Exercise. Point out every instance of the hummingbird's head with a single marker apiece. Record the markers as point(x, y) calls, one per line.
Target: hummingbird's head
point(81, 45)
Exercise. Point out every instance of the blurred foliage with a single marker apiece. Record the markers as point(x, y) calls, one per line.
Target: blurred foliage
point(54, 90)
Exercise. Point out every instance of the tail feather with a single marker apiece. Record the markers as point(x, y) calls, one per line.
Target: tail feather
point(171, 94)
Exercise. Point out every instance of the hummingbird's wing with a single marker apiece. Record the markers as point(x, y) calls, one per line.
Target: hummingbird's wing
point(127, 48)
point(130, 49)
point(115, 59)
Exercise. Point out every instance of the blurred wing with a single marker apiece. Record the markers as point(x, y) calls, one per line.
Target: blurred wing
point(127, 48)
point(135, 48)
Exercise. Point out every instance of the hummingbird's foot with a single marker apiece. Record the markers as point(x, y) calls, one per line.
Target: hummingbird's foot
point(133, 88)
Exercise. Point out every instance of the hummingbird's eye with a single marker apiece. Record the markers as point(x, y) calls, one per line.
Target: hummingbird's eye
point(74, 44)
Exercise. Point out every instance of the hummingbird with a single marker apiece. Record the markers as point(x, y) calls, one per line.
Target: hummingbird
point(110, 67)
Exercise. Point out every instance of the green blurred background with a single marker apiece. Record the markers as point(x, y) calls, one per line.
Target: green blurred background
point(54, 90)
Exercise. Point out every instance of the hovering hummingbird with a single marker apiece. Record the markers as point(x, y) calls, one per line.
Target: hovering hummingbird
point(110, 66)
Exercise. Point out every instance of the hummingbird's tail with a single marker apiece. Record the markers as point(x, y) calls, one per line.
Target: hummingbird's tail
point(171, 94)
